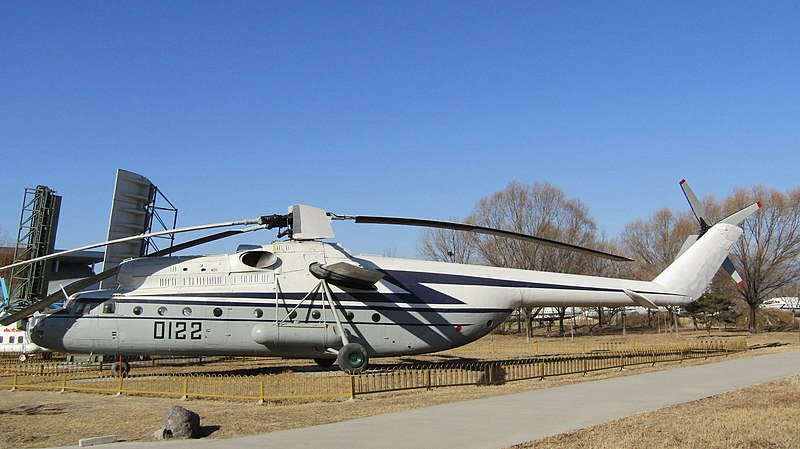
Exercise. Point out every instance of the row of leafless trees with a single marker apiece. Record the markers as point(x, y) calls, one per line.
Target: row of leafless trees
point(766, 256)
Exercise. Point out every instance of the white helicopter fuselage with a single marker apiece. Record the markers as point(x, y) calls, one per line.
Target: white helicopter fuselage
point(17, 341)
point(267, 302)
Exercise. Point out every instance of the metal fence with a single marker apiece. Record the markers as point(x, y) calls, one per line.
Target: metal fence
point(304, 386)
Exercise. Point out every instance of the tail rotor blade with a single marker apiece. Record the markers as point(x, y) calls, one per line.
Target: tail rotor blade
point(727, 265)
point(738, 217)
point(697, 206)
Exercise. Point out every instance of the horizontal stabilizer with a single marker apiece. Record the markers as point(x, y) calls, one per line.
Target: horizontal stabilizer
point(689, 242)
point(640, 299)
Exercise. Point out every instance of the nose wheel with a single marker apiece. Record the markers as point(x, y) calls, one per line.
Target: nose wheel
point(352, 358)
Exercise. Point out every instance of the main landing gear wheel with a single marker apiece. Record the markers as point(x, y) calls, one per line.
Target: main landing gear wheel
point(23, 357)
point(352, 358)
point(126, 368)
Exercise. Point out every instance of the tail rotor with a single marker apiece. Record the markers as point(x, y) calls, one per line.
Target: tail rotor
point(699, 211)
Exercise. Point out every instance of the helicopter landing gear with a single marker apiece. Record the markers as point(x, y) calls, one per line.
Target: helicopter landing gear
point(121, 369)
point(352, 358)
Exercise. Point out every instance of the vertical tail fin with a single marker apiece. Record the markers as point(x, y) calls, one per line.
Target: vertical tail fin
point(693, 270)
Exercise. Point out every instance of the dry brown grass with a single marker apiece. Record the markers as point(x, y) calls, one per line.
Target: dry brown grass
point(764, 416)
point(39, 419)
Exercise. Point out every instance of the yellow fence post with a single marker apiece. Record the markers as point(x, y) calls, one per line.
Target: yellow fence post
point(185, 388)
point(261, 400)
point(14, 385)
point(352, 387)
point(64, 383)
point(119, 385)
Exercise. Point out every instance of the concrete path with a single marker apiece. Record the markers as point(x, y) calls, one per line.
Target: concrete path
point(502, 421)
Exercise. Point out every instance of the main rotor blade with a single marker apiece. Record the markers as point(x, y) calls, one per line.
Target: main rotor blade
point(696, 205)
point(480, 230)
point(258, 221)
point(105, 274)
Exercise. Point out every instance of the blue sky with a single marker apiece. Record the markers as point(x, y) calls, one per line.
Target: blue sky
point(418, 108)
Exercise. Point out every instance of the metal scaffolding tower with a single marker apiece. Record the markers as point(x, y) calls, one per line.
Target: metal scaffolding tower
point(36, 237)
point(161, 211)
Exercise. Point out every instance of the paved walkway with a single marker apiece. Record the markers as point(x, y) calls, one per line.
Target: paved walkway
point(502, 421)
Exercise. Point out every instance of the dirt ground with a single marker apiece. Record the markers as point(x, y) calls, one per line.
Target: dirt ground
point(33, 419)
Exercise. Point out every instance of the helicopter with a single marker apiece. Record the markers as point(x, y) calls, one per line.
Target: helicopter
point(305, 297)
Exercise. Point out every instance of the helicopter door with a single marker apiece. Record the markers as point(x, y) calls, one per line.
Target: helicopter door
point(94, 330)
point(107, 325)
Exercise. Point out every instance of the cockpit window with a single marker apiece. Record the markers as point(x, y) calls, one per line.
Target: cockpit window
point(83, 308)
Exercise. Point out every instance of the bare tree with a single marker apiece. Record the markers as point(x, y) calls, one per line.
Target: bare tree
point(654, 243)
point(767, 254)
point(542, 210)
point(445, 245)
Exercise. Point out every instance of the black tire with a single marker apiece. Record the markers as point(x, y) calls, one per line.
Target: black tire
point(352, 358)
point(126, 368)
point(324, 361)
